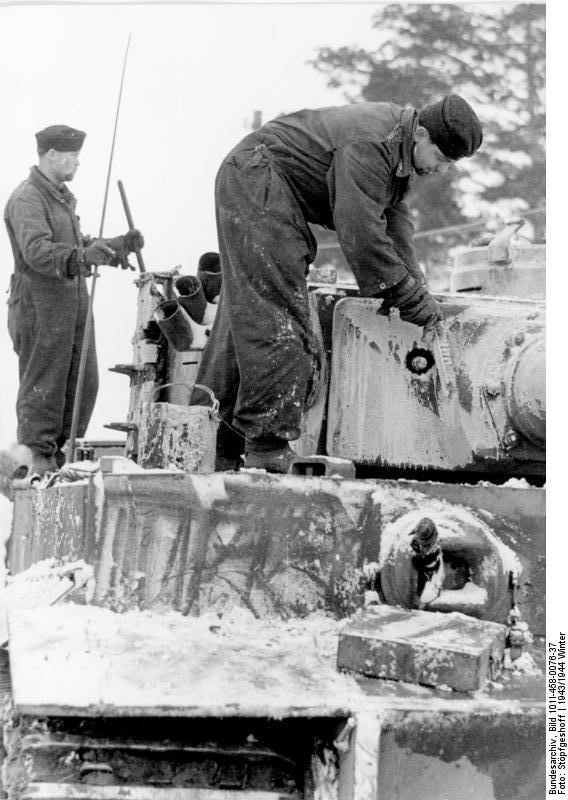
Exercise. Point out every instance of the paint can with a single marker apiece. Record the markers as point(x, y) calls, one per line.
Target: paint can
point(179, 437)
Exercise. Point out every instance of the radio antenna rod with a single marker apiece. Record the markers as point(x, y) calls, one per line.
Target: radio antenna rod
point(89, 319)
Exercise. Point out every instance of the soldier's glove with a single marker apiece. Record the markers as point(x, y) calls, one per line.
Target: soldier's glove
point(123, 245)
point(134, 240)
point(82, 259)
point(96, 253)
point(414, 302)
point(129, 243)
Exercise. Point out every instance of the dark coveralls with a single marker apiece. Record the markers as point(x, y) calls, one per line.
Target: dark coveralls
point(345, 168)
point(46, 314)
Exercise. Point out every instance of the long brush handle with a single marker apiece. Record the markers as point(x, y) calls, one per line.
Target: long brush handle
point(131, 226)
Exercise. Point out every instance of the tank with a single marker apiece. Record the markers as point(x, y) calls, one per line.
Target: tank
point(369, 626)
point(502, 265)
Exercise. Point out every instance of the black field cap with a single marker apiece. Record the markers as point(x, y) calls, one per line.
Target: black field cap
point(60, 137)
point(453, 126)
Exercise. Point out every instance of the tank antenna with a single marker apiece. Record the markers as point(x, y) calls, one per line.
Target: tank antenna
point(89, 319)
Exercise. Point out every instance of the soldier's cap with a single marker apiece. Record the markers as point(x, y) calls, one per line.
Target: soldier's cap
point(60, 137)
point(453, 126)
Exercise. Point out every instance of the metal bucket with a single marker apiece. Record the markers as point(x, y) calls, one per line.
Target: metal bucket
point(180, 437)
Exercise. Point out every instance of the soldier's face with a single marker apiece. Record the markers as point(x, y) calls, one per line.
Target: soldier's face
point(65, 164)
point(427, 158)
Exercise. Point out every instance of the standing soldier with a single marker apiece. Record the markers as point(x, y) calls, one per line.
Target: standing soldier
point(47, 307)
point(347, 168)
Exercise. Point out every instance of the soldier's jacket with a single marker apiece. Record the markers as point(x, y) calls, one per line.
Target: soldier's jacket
point(43, 227)
point(47, 313)
point(349, 168)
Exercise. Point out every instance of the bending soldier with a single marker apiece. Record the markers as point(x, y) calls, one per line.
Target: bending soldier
point(346, 168)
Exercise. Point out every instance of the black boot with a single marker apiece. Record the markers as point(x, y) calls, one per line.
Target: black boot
point(272, 455)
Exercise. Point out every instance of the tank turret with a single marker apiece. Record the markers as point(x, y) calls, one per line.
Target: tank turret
point(503, 265)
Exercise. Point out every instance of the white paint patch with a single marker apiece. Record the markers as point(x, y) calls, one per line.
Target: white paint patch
point(6, 513)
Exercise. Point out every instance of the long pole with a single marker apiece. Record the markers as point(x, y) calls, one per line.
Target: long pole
point(139, 258)
point(89, 318)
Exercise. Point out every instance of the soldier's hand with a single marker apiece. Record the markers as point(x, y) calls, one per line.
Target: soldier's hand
point(133, 240)
point(97, 253)
point(120, 246)
point(426, 312)
point(414, 302)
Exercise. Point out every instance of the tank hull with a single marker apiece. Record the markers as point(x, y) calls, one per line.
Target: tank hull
point(281, 549)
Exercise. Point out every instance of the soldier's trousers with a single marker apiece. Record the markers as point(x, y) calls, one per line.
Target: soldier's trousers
point(46, 321)
point(258, 360)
